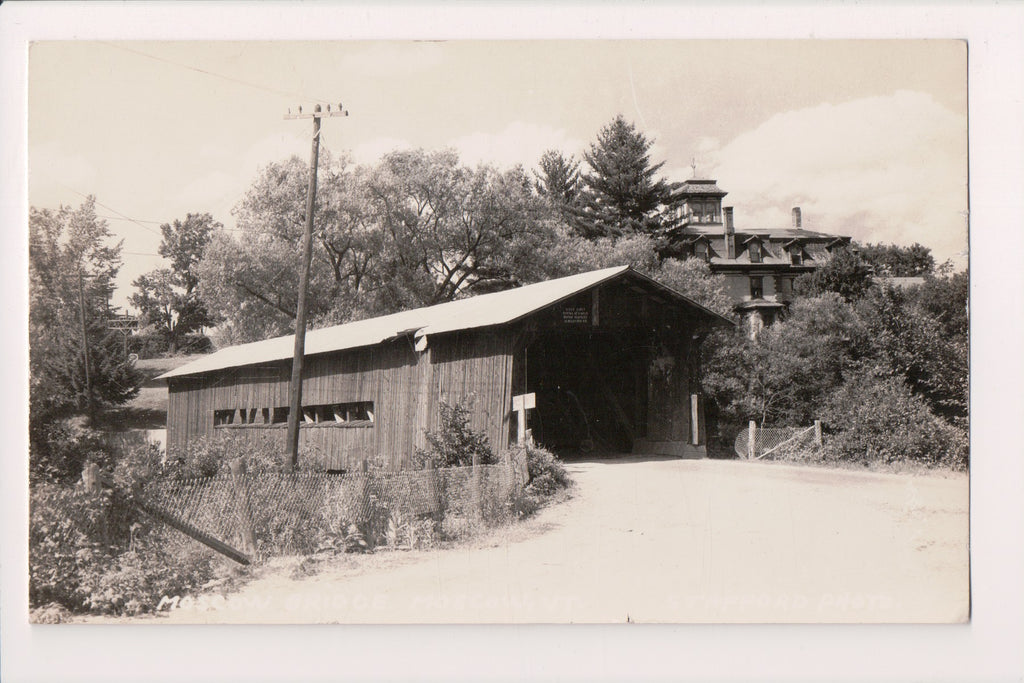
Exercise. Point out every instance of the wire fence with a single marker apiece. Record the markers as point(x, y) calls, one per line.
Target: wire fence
point(776, 443)
point(267, 514)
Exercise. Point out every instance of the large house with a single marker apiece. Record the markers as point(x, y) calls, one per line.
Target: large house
point(759, 264)
point(605, 359)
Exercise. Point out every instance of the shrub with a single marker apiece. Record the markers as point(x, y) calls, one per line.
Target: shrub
point(72, 535)
point(203, 457)
point(135, 581)
point(455, 444)
point(545, 476)
point(877, 419)
point(95, 551)
point(151, 344)
point(58, 450)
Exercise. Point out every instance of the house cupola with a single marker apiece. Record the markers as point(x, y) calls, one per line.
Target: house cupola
point(698, 201)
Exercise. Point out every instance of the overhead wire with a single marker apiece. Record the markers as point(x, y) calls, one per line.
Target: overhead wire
point(207, 72)
point(120, 215)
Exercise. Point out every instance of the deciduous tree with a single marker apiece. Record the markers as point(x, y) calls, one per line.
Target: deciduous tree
point(72, 265)
point(890, 260)
point(168, 298)
point(844, 273)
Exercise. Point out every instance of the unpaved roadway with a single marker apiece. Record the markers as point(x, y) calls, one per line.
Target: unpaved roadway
point(666, 540)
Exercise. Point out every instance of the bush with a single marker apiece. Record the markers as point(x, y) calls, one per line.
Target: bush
point(96, 552)
point(455, 444)
point(72, 534)
point(148, 344)
point(545, 477)
point(195, 343)
point(547, 474)
point(877, 419)
point(135, 581)
point(203, 457)
point(156, 343)
point(58, 450)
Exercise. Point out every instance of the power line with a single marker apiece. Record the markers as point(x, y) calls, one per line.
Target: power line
point(197, 69)
point(133, 220)
point(105, 206)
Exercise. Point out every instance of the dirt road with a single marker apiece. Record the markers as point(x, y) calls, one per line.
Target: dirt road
point(665, 540)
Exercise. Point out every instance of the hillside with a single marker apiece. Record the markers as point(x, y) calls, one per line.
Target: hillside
point(148, 410)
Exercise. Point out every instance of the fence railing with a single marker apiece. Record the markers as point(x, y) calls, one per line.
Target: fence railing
point(266, 514)
point(755, 443)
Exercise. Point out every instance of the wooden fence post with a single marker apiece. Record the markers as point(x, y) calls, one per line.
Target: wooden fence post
point(91, 478)
point(244, 505)
point(751, 440)
point(477, 498)
point(817, 433)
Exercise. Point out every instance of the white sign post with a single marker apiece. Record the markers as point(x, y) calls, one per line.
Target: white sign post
point(520, 404)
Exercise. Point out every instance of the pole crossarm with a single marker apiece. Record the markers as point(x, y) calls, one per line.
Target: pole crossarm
point(315, 115)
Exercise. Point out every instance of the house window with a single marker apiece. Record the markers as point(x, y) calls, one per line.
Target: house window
point(785, 286)
point(702, 250)
point(755, 252)
point(756, 287)
point(796, 255)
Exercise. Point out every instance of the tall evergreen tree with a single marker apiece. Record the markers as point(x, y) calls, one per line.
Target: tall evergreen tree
point(558, 180)
point(620, 192)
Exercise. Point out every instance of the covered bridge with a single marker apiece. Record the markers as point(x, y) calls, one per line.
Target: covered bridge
point(610, 357)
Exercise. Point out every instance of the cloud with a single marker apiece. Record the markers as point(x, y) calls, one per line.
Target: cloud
point(880, 169)
point(519, 143)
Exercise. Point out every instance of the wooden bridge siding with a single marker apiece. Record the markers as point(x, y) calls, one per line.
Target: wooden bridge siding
point(474, 369)
point(388, 375)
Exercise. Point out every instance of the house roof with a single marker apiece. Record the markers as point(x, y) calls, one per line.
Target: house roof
point(485, 310)
point(699, 186)
point(763, 233)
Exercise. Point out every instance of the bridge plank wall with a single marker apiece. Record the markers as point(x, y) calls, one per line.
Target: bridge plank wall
point(472, 368)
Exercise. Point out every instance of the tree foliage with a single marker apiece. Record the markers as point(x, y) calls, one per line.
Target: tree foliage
point(782, 376)
point(844, 273)
point(558, 183)
point(912, 343)
point(70, 257)
point(890, 260)
point(168, 298)
point(71, 267)
point(620, 192)
point(877, 418)
point(832, 359)
point(418, 228)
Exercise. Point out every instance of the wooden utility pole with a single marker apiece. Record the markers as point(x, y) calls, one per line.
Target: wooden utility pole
point(295, 405)
point(85, 348)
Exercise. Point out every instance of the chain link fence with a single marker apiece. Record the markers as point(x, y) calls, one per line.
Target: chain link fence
point(267, 514)
point(776, 443)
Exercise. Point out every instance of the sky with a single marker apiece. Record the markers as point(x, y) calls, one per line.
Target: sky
point(869, 138)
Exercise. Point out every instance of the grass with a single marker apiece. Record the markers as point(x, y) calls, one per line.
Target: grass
point(148, 410)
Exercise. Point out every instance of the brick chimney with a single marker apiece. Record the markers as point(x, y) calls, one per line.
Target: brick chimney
point(730, 233)
point(797, 221)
